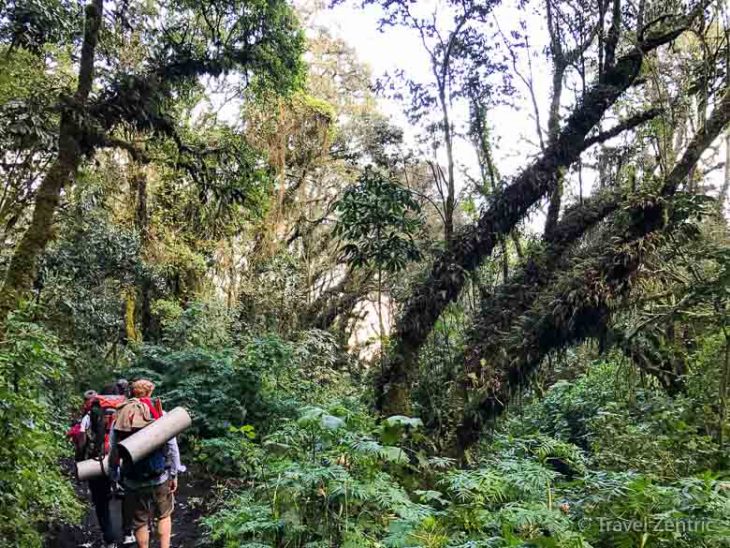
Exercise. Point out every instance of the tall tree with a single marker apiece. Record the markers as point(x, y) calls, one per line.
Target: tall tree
point(582, 28)
point(449, 271)
point(260, 42)
point(22, 269)
point(454, 39)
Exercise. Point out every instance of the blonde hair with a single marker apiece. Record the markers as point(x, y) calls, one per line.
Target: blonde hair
point(142, 388)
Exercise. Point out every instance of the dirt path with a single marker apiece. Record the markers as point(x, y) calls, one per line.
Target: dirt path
point(190, 503)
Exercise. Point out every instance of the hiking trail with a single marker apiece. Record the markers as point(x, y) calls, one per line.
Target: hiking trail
point(190, 503)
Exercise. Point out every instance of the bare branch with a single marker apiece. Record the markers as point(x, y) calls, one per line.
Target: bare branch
point(628, 124)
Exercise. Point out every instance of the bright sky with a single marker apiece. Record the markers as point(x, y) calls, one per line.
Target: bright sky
point(401, 48)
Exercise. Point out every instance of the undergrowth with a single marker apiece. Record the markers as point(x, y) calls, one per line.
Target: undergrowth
point(598, 461)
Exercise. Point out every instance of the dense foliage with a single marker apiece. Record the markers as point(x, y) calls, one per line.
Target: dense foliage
point(579, 467)
point(33, 381)
point(386, 336)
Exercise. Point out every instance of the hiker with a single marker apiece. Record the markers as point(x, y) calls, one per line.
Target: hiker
point(119, 388)
point(90, 437)
point(122, 387)
point(149, 484)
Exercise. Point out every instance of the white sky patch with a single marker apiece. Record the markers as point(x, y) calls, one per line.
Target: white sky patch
point(399, 48)
point(513, 130)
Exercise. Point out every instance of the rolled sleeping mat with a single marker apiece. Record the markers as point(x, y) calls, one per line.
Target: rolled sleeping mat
point(92, 468)
point(140, 444)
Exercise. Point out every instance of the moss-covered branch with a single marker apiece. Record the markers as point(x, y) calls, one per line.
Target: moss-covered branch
point(580, 301)
point(473, 245)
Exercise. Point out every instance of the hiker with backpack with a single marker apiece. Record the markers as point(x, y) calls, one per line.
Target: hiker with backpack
point(149, 484)
point(90, 436)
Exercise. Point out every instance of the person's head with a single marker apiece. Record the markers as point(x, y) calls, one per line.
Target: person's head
point(142, 388)
point(89, 397)
point(122, 386)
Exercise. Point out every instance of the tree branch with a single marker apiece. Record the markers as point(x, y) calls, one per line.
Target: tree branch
point(469, 248)
point(628, 124)
point(585, 297)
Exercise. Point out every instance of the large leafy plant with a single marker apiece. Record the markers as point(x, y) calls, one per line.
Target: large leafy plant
point(32, 489)
point(378, 222)
point(218, 387)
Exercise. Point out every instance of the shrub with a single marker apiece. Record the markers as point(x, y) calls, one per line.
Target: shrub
point(623, 426)
point(233, 455)
point(332, 476)
point(33, 491)
point(218, 387)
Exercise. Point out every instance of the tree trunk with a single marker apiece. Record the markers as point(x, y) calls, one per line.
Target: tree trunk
point(23, 266)
point(141, 215)
point(724, 387)
point(489, 173)
point(450, 271)
point(498, 311)
point(149, 330)
point(556, 196)
point(584, 300)
point(130, 325)
point(722, 198)
point(450, 205)
point(381, 325)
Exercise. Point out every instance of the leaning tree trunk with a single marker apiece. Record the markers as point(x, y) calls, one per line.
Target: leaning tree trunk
point(498, 310)
point(582, 300)
point(468, 250)
point(23, 266)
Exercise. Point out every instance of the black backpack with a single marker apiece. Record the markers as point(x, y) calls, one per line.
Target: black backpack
point(96, 434)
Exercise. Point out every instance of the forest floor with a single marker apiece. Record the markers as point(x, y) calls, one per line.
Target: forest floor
point(190, 503)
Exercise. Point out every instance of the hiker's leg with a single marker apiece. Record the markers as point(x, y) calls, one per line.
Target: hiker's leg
point(164, 531)
point(100, 492)
point(164, 505)
point(142, 535)
point(137, 509)
point(127, 519)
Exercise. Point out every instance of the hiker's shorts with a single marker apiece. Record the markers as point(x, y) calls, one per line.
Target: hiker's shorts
point(142, 504)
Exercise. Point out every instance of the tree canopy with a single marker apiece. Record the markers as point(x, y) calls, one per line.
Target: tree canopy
point(499, 320)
